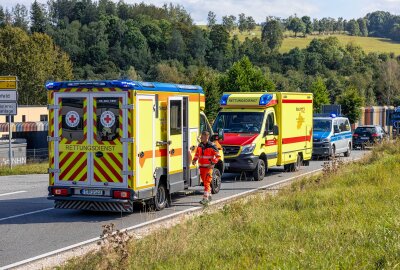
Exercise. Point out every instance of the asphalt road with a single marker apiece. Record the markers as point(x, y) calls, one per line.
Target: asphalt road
point(29, 226)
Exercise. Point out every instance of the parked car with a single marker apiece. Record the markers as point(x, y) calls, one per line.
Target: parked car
point(367, 135)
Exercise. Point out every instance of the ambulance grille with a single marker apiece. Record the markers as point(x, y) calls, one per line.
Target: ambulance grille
point(94, 206)
point(231, 150)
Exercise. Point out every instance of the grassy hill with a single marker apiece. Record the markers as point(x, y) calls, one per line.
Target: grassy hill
point(346, 219)
point(369, 44)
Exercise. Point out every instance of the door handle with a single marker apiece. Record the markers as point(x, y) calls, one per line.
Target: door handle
point(172, 151)
point(141, 154)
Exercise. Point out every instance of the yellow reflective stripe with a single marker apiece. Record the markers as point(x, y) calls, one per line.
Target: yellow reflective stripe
point(206, 156)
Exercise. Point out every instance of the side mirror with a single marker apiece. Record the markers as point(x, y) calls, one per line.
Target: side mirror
point(221, 134)
point(276, 130)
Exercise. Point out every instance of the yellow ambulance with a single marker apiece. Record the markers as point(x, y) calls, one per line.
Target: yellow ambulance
point(112, 143)
point(263, 130)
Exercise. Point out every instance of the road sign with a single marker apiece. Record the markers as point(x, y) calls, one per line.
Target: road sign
point(8, 82)
point(8, 96)
point(8, 108)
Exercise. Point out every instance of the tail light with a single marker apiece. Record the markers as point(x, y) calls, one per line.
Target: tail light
point(375, 135)
point(60, 191)
point(121, 194)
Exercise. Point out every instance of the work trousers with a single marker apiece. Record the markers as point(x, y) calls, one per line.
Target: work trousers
point(206, 176)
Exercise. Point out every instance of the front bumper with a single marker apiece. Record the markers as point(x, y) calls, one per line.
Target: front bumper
point(322, 149)
point(241, 163)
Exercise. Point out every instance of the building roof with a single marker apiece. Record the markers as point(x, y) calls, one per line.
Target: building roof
point(25, 126)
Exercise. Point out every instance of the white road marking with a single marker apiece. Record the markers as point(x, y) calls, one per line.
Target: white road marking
point(11, 193)
point(93, 240)
point(25, 214)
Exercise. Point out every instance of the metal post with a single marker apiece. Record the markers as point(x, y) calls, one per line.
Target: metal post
point(9, 142)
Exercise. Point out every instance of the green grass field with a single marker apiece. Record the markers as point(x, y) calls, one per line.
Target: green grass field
point(31, 168)
point(369, 44)
point(344, 220)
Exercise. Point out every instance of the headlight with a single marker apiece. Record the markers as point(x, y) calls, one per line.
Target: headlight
point(248, 149)
point(326, 140)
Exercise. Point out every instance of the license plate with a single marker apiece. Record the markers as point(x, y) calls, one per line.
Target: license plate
point(92, 192)
point(365, 138)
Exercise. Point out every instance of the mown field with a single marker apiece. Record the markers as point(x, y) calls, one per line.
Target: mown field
point(369, 44)
point(346, 219)
point(31, 168)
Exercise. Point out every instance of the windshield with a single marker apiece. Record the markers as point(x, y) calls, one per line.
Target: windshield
point(365, 130)
point(396, 116)
point(239, 122)
point(322, 125)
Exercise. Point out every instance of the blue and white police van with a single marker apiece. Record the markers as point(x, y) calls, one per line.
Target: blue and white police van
point(331, 136)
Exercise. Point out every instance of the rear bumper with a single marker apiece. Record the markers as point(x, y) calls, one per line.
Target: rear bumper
point(93, 204)
point(241, 163)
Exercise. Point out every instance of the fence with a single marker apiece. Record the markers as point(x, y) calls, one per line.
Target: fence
point(37, 155)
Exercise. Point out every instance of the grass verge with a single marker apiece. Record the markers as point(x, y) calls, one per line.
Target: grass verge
point(346, 219)
point(30, 168)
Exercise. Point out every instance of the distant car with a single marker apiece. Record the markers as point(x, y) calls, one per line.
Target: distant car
point(367, 135)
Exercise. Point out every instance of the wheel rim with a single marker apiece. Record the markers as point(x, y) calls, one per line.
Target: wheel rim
point(261, 169)
point(216, 180)
point(160, 196)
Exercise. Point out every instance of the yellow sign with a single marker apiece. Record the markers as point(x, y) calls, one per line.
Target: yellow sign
point(8, 82)
point(89, 148)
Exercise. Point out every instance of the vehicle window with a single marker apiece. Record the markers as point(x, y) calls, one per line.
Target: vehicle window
point(270, 124)
point(369, 130)
point(336, 128)
point(72, 118)
point(322, 125)
point(239, 122)
point(107, 119)
point(347, 125)
point(175, 117)
point(342, 125)
point(203, 124)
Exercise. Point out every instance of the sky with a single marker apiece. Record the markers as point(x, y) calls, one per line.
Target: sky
point(260, 9)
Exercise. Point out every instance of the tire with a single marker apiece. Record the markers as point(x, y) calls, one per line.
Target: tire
point(259, 171)
point(160, 201)
point(296, 166)
point(333, 154)
point(348, 152)
point(288, 167)
point(216, 181)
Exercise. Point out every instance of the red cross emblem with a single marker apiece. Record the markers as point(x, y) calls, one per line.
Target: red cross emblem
point(72, 119)
point(107, 118)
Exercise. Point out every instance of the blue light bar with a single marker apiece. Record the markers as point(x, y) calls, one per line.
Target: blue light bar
point(333, 115)
point(265, 99)
point(224, 99)
point(187, 87)
point(53, 85)
point(123, 84)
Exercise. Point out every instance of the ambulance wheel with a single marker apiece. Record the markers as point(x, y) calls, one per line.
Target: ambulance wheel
point(216, 181)
point(160, 201)
point(259, 172)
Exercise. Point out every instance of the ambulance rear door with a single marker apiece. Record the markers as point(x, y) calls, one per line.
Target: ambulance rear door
point(90, 139)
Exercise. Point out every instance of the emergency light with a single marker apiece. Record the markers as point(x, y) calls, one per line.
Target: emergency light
point(265, 99)
point(333, 115)
point(224, 99)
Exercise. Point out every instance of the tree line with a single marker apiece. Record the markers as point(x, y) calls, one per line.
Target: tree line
point(107, 40)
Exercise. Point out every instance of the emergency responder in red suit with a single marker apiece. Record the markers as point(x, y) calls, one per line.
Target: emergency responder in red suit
point(207, 154)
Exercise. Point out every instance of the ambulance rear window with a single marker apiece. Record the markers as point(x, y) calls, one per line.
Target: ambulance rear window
point(72, 118)
point(107, 118)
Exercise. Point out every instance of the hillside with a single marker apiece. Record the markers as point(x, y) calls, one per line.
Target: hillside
point(369, 44)
point(346, 219)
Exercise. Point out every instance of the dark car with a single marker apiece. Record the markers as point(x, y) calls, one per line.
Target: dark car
point(368, 135)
